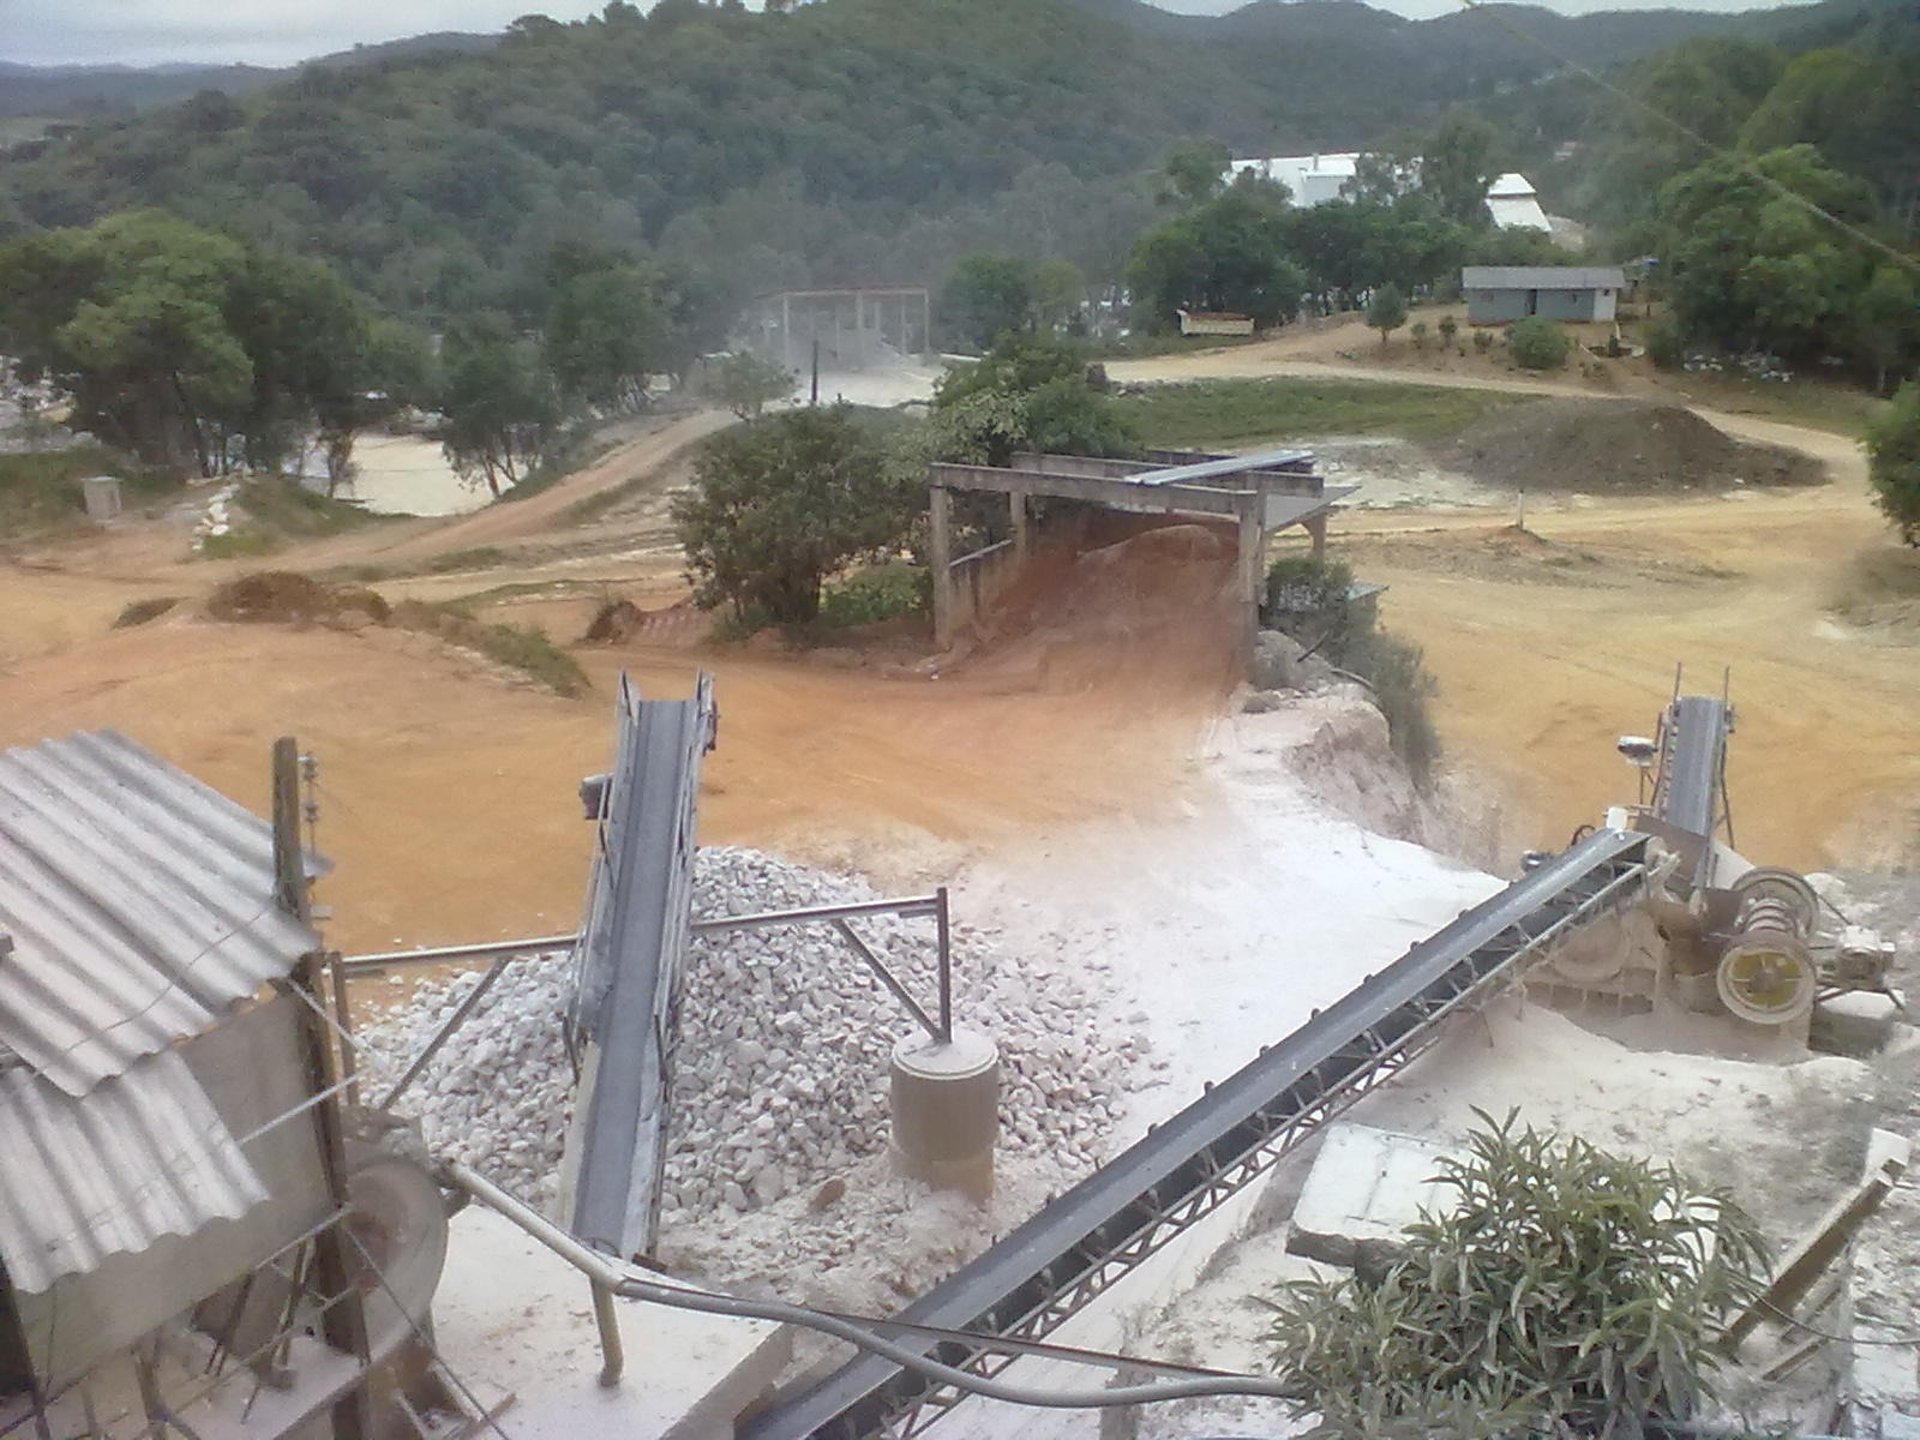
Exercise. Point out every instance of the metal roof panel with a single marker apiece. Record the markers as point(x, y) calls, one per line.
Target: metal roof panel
point(139, 901)
point(141, 1156)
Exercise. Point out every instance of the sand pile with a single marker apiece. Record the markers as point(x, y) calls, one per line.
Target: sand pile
point(1615, 447)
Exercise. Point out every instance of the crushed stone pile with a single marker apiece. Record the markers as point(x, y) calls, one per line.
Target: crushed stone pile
point(1615, 447)
point(780, 1093)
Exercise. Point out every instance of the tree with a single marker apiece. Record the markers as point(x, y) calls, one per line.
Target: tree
point(1560, 1290)
point(1386, 311)
point(1028, 393)
point(1893, 461)
point(986, 297)
point(1194, 172)
point(1886, 320)
point(747, 383)
point(781, 504)
point(1537, 343)
point(1227, 255)
point(1457, 168)
point(605, 333)
point(498, 401)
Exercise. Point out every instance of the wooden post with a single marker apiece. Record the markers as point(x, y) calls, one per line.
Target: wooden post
point(940, 557)
point(344, 1323)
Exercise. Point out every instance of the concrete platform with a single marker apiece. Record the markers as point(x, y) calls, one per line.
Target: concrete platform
point(511, 1312)
point(1365, 1185)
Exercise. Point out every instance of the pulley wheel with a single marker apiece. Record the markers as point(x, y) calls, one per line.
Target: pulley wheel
point(1767, 980)
point(1770, 882)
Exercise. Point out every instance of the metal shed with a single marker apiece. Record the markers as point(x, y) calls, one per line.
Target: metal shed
point(1501, 294)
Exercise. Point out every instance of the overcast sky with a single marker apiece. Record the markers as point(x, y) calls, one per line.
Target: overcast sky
point(282, 32)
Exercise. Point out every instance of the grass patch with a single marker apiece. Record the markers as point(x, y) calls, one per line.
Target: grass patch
point(877, 593)
point(1221, 413)
point(40, 491)
point(1144, 346)
point(286, 507)
point(480, 557)
point(241, 542)
point(527, 649)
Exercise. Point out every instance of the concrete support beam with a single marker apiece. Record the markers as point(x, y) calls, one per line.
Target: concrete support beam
point(1022, 526)
point(940, 561)
point(1251, 556)
point(1316, 528)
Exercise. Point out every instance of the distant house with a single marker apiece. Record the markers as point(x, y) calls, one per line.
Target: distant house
point(1320, 179)
point(1501, 294)
point(1514, 206)
point(1204, 322)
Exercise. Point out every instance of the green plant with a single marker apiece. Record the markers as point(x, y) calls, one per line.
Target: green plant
point(139, 612)
point(1538, 344)
point(1893, 461)
point(1482, 341)
point(1419, 334)
point(747, 383)
point(877, 593)
point(241, 542)
point(1386, 311)
point(1665, 347)
point(1558, 1290)
point(1449, 332)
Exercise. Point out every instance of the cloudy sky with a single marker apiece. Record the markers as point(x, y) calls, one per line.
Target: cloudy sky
point(281, 32)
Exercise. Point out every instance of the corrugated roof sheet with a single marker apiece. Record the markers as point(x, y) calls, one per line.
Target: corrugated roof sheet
point(140, 903)
point(1542, 277)
point(142, 1156)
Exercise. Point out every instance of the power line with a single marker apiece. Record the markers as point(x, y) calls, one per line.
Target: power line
point(1745, 165)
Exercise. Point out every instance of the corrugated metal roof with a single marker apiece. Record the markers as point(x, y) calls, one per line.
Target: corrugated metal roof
point(142, 1156)
point(139, 902)
point(1542, 277)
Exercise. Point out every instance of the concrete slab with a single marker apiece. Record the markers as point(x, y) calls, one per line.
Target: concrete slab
point(513, 1313)
point(1365, 1185)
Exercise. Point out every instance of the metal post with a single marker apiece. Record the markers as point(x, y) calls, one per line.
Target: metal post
point(613, 1355)
point(944, 926)
point(343, 1017)
point(425, 1057)
point(344, 1325)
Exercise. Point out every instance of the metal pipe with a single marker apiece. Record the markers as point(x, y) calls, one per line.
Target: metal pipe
point(357, 965)
point(613, 1355)
point(599, 1268)
point(944, 923)
point(459, 1018)
point(915, 905)
point(887, 979)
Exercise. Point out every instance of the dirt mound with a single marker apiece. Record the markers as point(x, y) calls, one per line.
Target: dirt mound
point(1619, 447)
point(615, 621)
point(1155, 612)
point(281, 597)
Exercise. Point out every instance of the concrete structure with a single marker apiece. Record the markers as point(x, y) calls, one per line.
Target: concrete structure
point(1258, 494)
point(855, 327)
point(101, 493)
point(1365, 1185)
point(945, 1099)
point(1501, 294)
point(1513, 204)
point(1197, 322)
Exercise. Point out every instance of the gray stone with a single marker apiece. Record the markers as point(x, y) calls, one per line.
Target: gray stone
point(1260, 702)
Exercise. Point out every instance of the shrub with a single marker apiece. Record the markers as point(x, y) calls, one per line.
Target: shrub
point(1561, 1291)
point(1665, 348)
point(1537, 344)
point(1893, 461)
point(1419, 334)
point(1482, 341)
point(880, 592)
point(1396, 672)
point(139, 612)
point(1449, 332)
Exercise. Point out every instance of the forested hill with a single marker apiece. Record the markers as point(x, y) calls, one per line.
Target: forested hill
point(847, 138)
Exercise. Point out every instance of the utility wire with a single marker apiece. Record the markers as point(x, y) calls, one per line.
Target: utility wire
point(1741, 162)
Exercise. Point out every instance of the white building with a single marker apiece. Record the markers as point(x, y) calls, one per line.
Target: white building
point(1318, 179)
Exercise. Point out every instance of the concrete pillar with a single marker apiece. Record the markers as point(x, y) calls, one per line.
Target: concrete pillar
point(860, 325)
point(1022, 529)
point(1251, 556)
point(786, 331)
point(940, 558)
point(946, 1111)
point(1316, 528)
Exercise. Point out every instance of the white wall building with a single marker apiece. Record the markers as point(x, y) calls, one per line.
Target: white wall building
point(1318, 179)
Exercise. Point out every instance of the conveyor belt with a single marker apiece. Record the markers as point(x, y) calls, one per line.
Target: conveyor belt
point(1693, 758)
point(1082, 1243)
point(627, 971)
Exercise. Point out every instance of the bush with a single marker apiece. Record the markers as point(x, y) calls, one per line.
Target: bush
point(1482, 341)
point(880, 592)
point(1537, 344)
point(1396, 672)
point(1665, 348)
point(1563, 1291)
point(1893, 461)
point(1419, 334)
point(1449, 332)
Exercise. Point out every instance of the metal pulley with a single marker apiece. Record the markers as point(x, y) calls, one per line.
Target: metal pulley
point(1767, 975)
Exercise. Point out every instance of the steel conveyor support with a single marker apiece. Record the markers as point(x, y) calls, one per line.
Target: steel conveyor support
point(1077, 1247)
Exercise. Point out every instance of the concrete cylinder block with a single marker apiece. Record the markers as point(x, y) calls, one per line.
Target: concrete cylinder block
point(946, 1111)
